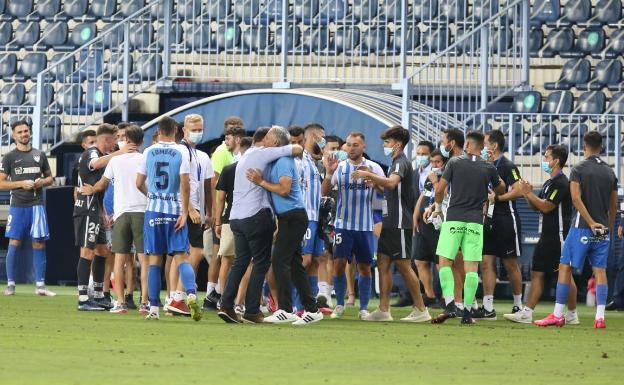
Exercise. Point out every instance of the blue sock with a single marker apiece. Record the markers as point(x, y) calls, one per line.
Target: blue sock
point(10, 263)
point(562, 293)
point(313, 279)
point(601, 294)
point(153, 284)
point(39, 262)
point(295, 298)
point(364, 289)
point(340, 286)
point(265, 289)
point(187, 275)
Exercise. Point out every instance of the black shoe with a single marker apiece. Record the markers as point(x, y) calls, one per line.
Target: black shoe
point(451, 311)
point(130, 302)
point(211, 300)
point(467, 318)
point(432, 302)
point(403, 302)
point(107, 295)
point(103, 303)
point(89, 306)
point(483, 314)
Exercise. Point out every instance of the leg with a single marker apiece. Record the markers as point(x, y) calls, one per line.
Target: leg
point(170, 285)
point(109, 267)
point(196, 256)
point(458, 276)
point(14, 245)
point(536, 290)
point(120, 260)
point(39, 261)
point(83, 272)
point(226, 265)
point(350, 276)
point(364, 284)
point(154, 282)
point(187, 275)
point(143, 260)
point(100, 262)
point(488, 274)
point(424, 273)
point(447, 280)
point(602, 290)
point(242, 288)
point(411, 281)
point(239, 266)
point(130, 273)
point(340, 280)
point(471, 282)
point(515, 279)
point(385, 282)
point(312, 273)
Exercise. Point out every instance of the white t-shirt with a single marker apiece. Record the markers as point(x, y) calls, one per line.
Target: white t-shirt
point(122, 171)
point(201, 169)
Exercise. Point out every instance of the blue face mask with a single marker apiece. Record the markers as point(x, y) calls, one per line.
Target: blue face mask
point(422, 161)
point(546, 167)
point(437, 170)
point(321, 143)
point(195, 137)
point(341, 155)
point(388, 151)
point(484, 154)
point(445, 153)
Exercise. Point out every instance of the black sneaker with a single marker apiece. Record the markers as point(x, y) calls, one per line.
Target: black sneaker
point(451, 311)
point(104, 303)
point(515, 309)
point(430, 302)
point(130, 302)
point(211, 300)
point(89, 306)
point(467, 318)
point(483, 314)
point(404, 301)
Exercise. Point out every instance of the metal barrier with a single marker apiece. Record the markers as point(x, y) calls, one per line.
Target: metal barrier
point(10, 115)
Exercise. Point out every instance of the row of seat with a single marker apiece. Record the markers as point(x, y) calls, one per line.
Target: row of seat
point(576, 12)
point(562, 103)
point(51, 130)
point(563, 42)
point(577, 73)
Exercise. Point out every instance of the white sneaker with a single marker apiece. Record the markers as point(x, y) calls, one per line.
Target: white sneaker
point(44, 292)
point(239, 309)
point(308, 318)
point(572, 318)
point(524, 316)
point(281, 317)
point(418, 316)
point(167, 303)
point(338, 312)
point(152, 316)
point(378, 316)
point(363, 314)
point(264, 309)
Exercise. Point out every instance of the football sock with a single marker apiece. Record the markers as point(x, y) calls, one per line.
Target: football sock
point(488, 302)
point(561, 298)
point(10, 263)
point(218, 287)
point(528, 310)
point(99, 266)
point(83, 273)
point(153, 285)
point(313, 280)
point(460, 306)
point(187, 275)
point(39, 262)
point(475, 304)
point(364, 288)
point(322, 287)
point(340, 284)
point(470, 288)
point(571, 314)
point(517, 300)
point(601, 300)
point(210, 287)
point(447, 282)
point(178, 296)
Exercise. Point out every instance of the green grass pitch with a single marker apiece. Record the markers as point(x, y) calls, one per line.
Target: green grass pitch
point(46, 341)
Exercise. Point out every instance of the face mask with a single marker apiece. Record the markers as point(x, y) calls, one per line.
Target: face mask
point(484, 154)
point(546, 167)
point(321, 143)
point(422, 161)
point(437, 170)
point(445, 153)
point(195, 137)
point(341, 155)
point(121, 144)
point(388, 151)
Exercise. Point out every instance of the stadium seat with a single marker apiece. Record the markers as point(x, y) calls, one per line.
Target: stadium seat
point(114, 67)
point(608, 133)
point(314, 40)
point(127, 8)
point(12, 94)
point(114, 39)
point(606, 12)
point(536, 40)
point(390, 11)
point(589, 42)
point(48, 9)
point(141, 35)
point(293, 38)
point(198, 37)
point(527, 102)
point(255, 39)
point(574, 12)
point(103, 9)
point(470, 45)
point(412, 40)
point(607, 72)
point(559, 102)
point(47, 96)
point(26, 34)
point(590, 103)
point(270, 11)
point(90, 65)
point(227, 38)
point(344, 40)
point(69, 97)
point(158, 12)
point(6, 33)
point(558, 40)
point(363, 11)
point(54, 35)
point(575, 71)
point(81, 34)
point(148, 66)
point(332, 11)
point(518, 135)
point(76, 9)
point(452, 11)
point(189, 10)
point(246, 10)
point(97, 97)
point(306, 10)
point(544, 11)
point(616, 104)
point(615, 46)
point(51, 130)
point(500, 40)
point(31, 65)
point(574, 129)
point(484, 9)
point(176, 34)
point(216, 10)
point(540, 137)
point(434, 40)
point(374, 41)
point(8, 65)
point(19, 9)
point(61, 71)
point(3, 15)
point(424, 10)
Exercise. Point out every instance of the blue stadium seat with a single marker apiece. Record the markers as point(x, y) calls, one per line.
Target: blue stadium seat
point(591, 103)
point(344, 40)
point(141, 35)
point(6, 33)
point(20, 8)
point(527, 102)
point(26, 34)
point(559, 102)
point(76, 9)
point(616, 104)
point(103, 9)
point(246, 10)
point(608, 133)
point(31, 65)
point(314, 40)
point(227, 38)
point(127, 8)
point(270, 11)
point(363, 11)
point(374, 41)
point(470, 45)
point(306, 10)
point(536, 40)
point(90, 65)
point(574, 12)
point(434, 40)
point(81, 34)
point(615, 47)
point(114, 39)
point(158, 12)
point(98, 97)
point(390, 11)
point(293, 38)
point(69, 97)
point(575, 71)
point(217, 10)
point(607, 72)
point(54, 35)
point(12, 94)
point(484, 9)
point(544, 11)
point(606, 12)
point(47, 96)
point(452, 11)
point(540, 137)
point(589, 42)
point(516, 131)
point(8, 65)
point(48, 9)
point(424, 10)
point(189, 10)
point(558, 40)
point(148, 66)
point(501, 40)
point(61, 71)
point(176, 34)
point(3, 15)
point(412, 40)
point(51, 130)
point(332, 10)
point(114, 67)
point(256, 39)
point(198, 37)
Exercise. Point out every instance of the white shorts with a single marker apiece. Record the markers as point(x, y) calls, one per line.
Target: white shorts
point(226, 247)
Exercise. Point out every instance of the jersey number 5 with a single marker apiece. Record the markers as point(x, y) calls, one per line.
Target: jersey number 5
point(163, 174)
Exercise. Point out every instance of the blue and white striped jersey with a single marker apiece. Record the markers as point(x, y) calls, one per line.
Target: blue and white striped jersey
point(354, 208)
point(163, 163)
point(310, 186)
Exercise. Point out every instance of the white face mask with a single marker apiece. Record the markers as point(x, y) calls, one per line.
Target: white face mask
point(195, 137)
point(121, 144)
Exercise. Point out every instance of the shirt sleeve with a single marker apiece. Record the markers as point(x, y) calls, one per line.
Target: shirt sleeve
point(284, 168)
point(575, 175)
point(185, 165)
point(143, 165)
point(399, 168)
point(513, 175)
point(448, 171)
point(108, 171)
point(495, 180)
point(5, 165)
point(45, 165)
point(222, 178)
point(269, 154)
point(93, 155)
point(207, 165)
point(557, 192)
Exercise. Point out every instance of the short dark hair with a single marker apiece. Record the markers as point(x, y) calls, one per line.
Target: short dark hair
point(428, 144)
point(246, 142)
point(334, 138)
point(593, 140)
point(313, 126)
point(295, 130)
point(558, 152)
point(106, 129)
point(437, 152)
point(124, 125)
point(260, 133)
point(84, 134)
point(168, 126)
point(236, 131)
point(21, 122)
point(357, 134)
point(477, 137)
point(134, 134)
point(497, 136)
point(455, 135)
point(397, 133)
point(233, 121)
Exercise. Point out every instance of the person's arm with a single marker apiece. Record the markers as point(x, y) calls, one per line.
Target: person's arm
point(416, 216)
point(140, 183)
point(512, 180)
point(282, 187)
point(577, 201)
point(542, 205)
point(100, 186)
point(185, 189)
point(331, 164)
point(47, 179)
point(270, 154)
point(208, 202)
point(10, 185)
point(102, 161)
point(219, 207)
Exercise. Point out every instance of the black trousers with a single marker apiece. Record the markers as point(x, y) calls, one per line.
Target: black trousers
point(252, 241)
point(287, 262)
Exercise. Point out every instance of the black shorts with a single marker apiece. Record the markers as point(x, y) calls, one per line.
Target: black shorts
point(425, 244)
point(395, 243)
point(89, 231)
point(546, 256)
point(501, 237)
point(195, 234)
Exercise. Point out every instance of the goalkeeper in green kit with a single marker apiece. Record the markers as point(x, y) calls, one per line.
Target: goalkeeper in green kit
point(468, 178)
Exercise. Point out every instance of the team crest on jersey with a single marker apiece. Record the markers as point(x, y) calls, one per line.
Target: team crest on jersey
point(37, 158)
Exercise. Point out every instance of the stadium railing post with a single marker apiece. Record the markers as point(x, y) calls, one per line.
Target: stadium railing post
point(283, 80)
point(167, 41)
point(526, 70)
point(485, 49)
point(618, 148)
point(126, 74)
point(38, 112)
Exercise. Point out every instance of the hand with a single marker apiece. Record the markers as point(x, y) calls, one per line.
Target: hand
point(433, 177)
point(195, 217)
point(491, 198)
point(129, 147)
point(254, 176)
point(596, 226)
point(39, 183)
point(108, 222)
point(28, 184)
point(427, 214)
point(181, 222)
point(297, 150)
point(218, 230)
point(620, 232)
point(525, 187)
point(87, 189)
point(209, 221)
point(331, 163)
point(359, 174)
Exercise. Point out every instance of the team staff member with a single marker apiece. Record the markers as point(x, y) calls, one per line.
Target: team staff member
point(25, 171)
point(555, 207)
point(593, 188)
point(469, 175)
point(502, 230)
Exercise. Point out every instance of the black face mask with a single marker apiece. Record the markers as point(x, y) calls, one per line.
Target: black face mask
point(316, 150)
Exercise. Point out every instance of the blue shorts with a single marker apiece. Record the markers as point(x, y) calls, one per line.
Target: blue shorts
point(312, 241)
point(377, 216)
point(581, 244)
point(160, 236)
point(23, 221)
point(348, 243)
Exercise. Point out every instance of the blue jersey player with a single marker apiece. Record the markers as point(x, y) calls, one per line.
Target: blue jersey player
point(166, 170)
point(354, 219)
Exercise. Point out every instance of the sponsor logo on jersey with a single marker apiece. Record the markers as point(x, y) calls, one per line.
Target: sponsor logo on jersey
point(37, 158)
point(27, 170)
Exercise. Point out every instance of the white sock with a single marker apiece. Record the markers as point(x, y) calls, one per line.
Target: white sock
point(600, 310)
point(475, 304)
point(218, 288)
point(83, 298)
point(460, 306)
point(210, 287)
point(322, 287)
point(178, 296)
point(559, 309)
point(528, 310)
point(449, 299)
point(518, 300)
point(154, 309)
point(571, 313)
point(488, 302)
point(40, 284)
point(11, 283)
point(330, 290)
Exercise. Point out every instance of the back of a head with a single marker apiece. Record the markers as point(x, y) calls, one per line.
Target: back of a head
point(282, 135)
point(476, 137)
point(455, 135)
point(295, 130)
point(134, 134)
point(260, 134)
point(233, 121)
point(167, 126)
point(397, 133)
point(593, 141)
point(106, 129)
point(497, 136)
point(245, 143)
point(236, 131)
